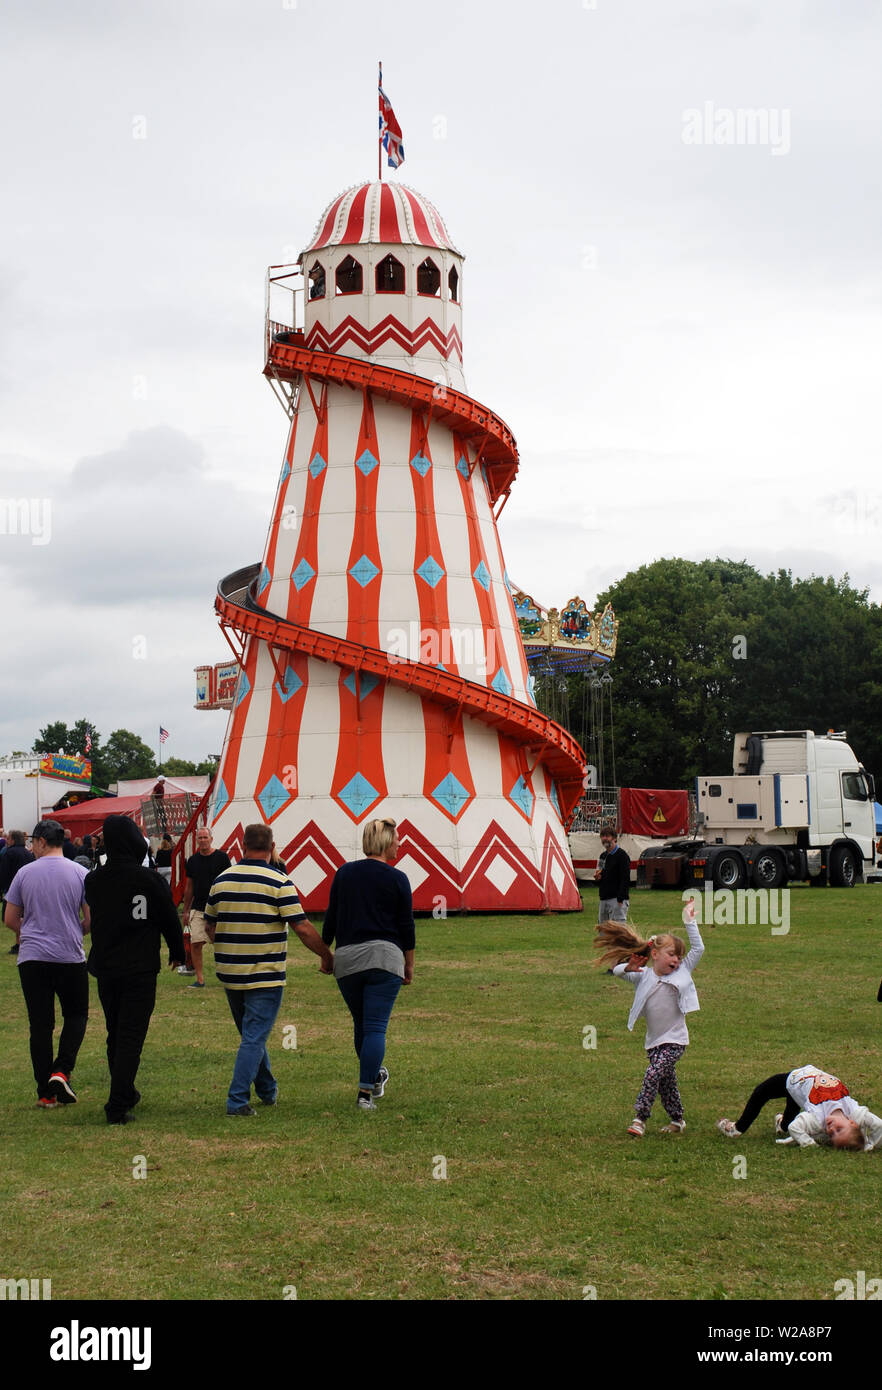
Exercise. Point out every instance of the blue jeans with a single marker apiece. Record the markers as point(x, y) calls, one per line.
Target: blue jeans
point(370, 995)
point(254, 1013)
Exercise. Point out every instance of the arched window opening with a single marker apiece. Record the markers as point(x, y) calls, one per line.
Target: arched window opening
point(428, 278)
point(453, 284)
point(390, 276)
point(349, 277)
point(317, 282)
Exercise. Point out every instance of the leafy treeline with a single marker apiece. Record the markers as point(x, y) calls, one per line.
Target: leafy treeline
point(712, 648)
point(123, 756)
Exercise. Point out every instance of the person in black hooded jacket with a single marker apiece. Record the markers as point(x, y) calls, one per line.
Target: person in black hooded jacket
point(131, 909)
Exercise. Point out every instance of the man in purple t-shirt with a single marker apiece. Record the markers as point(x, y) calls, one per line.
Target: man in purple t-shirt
point(44, 906)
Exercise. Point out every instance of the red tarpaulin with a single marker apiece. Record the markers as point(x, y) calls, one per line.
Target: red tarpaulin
point(88, 816)
point(662, 814)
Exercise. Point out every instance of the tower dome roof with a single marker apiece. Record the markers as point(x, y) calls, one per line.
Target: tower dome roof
point(381, 212)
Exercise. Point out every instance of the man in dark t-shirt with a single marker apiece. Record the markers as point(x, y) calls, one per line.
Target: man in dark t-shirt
point(613, 877)
point(203, 868)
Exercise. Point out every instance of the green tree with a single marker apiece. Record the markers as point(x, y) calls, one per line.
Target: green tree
point(713, 648)
point(55, 738)
point(123, 756)
point(178, 767)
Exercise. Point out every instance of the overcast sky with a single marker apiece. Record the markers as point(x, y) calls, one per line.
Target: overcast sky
point(683, 335)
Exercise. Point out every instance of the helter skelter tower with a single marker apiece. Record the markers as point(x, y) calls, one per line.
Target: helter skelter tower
point(382, 671)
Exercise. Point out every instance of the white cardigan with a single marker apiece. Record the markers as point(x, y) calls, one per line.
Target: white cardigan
point(681, 978)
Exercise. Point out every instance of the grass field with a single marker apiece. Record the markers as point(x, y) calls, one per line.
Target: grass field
point(544, 1194)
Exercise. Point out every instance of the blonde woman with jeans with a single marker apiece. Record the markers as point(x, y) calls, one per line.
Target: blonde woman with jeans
point(370, 916)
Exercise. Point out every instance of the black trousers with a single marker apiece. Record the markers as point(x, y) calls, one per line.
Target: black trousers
point(127, 1001)
point(774, 1088)
point(41, 982)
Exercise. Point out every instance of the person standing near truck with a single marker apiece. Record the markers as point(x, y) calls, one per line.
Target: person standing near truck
point(613, 878)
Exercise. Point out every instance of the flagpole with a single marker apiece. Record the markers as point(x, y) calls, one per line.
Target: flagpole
point(380, 135)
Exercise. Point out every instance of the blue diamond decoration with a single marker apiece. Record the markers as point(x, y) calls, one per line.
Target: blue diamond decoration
point(463, 467)
point(521, 795)
point(219, 800)
point(531, 686)
point(242, 689)
point(302, 575)
point(363, 571)
point(451, 794)
point(358, 794)
point(317, 466)
point(367, 463)
point(507, 582)
point(501, 682)
point(421, 464)
point(285, 471)
point(554, 799)
point(368, 682)
point(273, 797)
point(292, 685)
point(430, 571)
point(484, 476)
point(263, 581)
point(482, 574)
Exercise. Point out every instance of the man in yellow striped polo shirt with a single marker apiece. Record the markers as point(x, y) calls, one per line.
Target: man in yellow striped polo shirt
point(248, 913)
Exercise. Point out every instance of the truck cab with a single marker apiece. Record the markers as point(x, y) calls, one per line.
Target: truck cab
point(798, 805)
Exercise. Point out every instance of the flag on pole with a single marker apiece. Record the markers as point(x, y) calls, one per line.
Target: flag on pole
point(390, 130)
point(88, 742)
point(163, 734)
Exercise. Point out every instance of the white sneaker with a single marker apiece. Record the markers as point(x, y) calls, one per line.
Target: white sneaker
point(366, 1103)
point(637, 1129)
point(727, 1127)
point(675, 1127)
point(380, 1083)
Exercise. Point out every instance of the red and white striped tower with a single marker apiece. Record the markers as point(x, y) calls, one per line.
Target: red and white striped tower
point(382, 667)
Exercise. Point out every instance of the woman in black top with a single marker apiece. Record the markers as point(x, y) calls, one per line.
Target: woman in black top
point(164, 858)
point(370, 915)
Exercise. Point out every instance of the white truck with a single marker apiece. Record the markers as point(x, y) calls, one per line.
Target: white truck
point(798, 806)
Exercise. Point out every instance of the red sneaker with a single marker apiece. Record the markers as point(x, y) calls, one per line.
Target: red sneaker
point(61, 1089)
point(47, 1103)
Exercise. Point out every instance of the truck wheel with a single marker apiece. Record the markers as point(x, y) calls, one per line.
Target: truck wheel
point(768, 870)
point(843, 870)
point(728, 871)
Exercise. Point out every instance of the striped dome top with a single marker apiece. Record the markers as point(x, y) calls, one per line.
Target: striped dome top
point(381, 212)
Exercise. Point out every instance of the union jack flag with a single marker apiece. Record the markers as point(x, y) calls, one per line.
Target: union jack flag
point(163, 734)
point(390, 130)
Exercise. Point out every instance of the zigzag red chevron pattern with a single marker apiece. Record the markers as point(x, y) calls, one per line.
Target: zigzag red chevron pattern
point(389, 329)
point(496, 876)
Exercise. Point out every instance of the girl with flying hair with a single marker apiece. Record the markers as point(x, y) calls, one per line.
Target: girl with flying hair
point(661, 971)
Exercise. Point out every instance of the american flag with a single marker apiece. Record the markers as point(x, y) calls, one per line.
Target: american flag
point(390, 130)
point(163, 734)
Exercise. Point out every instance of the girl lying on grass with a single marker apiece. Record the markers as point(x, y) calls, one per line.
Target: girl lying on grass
point(819, 1110)
point(661, 970)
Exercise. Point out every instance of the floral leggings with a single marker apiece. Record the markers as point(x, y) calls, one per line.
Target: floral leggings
point(660, 1079)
